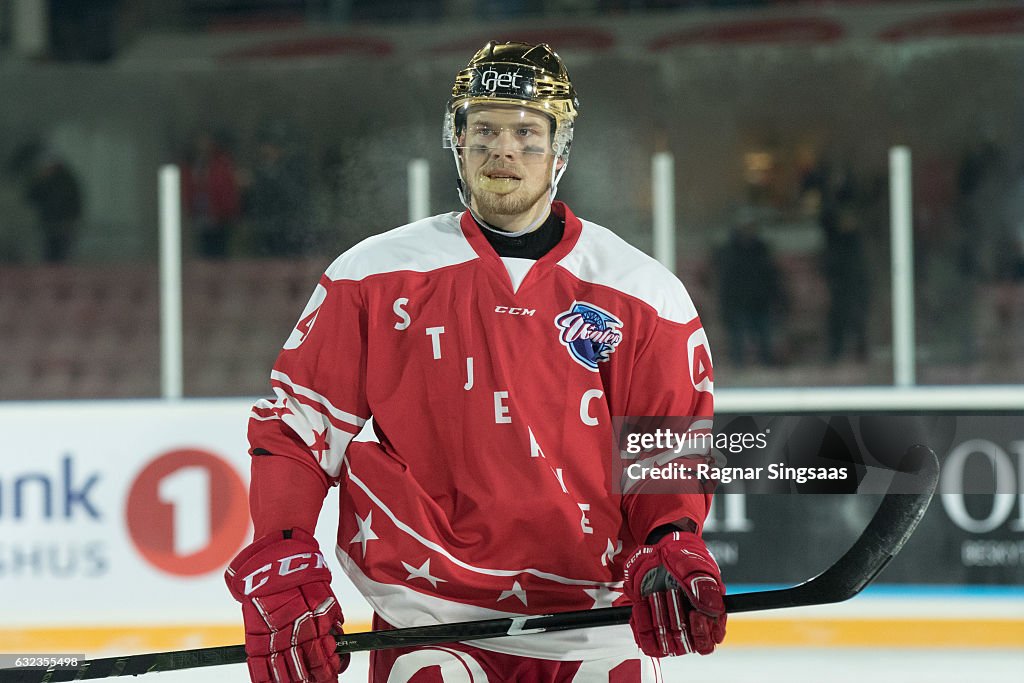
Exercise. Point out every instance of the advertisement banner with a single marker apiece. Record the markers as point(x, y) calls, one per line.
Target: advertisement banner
point(972, 534)
point(127, 512)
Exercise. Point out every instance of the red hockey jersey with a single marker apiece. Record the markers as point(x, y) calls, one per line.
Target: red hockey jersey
point(492, 384)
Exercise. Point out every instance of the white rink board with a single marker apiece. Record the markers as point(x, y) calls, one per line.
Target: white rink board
point(67, 554)
point(53, 450)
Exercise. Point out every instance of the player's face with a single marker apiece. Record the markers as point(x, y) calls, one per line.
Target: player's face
point(507, 156)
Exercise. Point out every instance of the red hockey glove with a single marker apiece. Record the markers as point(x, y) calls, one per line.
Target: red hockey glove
point(676, 589)
point(291, 615)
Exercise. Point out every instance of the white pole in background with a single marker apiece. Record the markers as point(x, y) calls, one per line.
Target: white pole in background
point(902, 235)
point(663, 203)
point(29, 27)
point(171, 366)
point(419, 189)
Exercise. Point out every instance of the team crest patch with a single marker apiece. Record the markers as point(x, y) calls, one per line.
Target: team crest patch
point(590, 333)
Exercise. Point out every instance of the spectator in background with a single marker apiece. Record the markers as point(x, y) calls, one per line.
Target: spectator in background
point(1015, 223)
point(844, 261)
point(979, 190)
point(277, 200)
point(54, 193)
point(84, 30)
point(957, 248)
point(750, 292)
point(17, 236)
point(211, 194)
point(328, 200)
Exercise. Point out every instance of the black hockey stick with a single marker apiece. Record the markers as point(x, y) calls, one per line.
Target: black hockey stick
point(892, 524)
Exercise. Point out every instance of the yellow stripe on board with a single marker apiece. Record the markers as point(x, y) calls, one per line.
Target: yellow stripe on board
point(804, 633)
point(944, 633)
point(118, 639)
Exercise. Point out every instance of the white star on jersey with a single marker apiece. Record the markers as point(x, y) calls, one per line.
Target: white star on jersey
point(603, 596)
point(365, 533)
point(516, 591)
point(422, 572)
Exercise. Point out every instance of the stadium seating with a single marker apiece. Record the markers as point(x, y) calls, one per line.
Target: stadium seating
point(74, 331)
point(77, 331)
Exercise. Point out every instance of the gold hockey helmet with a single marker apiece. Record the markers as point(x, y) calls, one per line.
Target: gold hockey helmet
point(517, 74)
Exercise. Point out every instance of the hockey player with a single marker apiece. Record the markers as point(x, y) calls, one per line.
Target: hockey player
point(491, 348)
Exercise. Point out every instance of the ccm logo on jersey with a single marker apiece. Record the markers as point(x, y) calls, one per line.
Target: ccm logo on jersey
point(285, 566)
point(512, 310)
point(590, 333)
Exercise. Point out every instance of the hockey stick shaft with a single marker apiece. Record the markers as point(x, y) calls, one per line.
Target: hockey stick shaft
point(888, 530)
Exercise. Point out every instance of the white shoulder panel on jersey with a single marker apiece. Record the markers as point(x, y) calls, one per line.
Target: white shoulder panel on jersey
point(604, 258)
point(425, 245)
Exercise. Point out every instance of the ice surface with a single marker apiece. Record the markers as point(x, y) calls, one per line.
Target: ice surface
point(849, 665)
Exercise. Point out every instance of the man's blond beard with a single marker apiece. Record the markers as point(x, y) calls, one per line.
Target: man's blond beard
point(511, 204)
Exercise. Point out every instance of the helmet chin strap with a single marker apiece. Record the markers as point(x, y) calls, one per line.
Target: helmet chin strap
point(461, 183)
point(556, 175)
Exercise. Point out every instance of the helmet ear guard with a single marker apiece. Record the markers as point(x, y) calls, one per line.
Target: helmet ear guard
point(514, 74)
